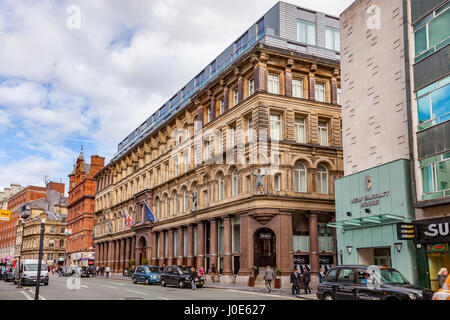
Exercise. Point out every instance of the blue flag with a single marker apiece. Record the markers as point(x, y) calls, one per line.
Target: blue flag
point(148, 213)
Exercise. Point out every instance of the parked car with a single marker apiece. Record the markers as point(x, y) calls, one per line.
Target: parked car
point(444, 292)
point(27, 272)
point(147, 275)
point(73, 271)
point(84, 273)
point(368, 283)
point(179, 276)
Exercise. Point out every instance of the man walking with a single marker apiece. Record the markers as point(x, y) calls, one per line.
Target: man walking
point(295, 280)
point(107, 270)
point(268, 277)
point(306, 279)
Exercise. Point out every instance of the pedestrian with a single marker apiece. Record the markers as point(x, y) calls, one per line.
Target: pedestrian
point(268, 277)
point(102, 270)
point(306, 280)
point(321, 275)
point(295, 280)
point(213, 269)
point(97, 270)
point(442, 275)
point(107, 270)
point(193, 278)
point(162, 268)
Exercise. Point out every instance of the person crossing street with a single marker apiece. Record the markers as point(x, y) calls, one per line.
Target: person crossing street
point(268, 277)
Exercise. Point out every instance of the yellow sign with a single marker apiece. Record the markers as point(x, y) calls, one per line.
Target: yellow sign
point(5, 215)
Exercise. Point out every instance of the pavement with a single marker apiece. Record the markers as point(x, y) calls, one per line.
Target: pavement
point(261, 288)
point(118, 287)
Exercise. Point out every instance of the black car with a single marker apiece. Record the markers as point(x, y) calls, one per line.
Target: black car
point(85, 273)
point(179, 276)
point(369, 283)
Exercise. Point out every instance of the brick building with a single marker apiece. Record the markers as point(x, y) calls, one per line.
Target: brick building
point(81, 207)
point(8, 230)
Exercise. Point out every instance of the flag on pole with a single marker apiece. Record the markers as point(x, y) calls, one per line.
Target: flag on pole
point(128, 220)
point(148, 213)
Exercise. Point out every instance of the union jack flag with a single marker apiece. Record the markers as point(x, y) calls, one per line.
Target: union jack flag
point(128, 220)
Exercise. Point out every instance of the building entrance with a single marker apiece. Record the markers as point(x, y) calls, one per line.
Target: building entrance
point(264, 248)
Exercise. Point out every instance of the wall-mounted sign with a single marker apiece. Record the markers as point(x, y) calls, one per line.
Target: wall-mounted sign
point(406, 231)
point(439, 247)
point(432, 231)
point(326, 260)
point(68, 231)
point(265, 236)
point(371, 199)
point(5, 215)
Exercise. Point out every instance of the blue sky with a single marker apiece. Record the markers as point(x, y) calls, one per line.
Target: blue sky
point(61, 88)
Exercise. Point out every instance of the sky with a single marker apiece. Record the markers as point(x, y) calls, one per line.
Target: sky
point(66, 82)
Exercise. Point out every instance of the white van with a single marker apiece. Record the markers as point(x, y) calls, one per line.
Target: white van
point(27, 272)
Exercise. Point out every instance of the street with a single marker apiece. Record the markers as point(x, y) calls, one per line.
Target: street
point(111, 289)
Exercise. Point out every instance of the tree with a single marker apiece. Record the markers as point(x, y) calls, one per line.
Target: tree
point(130, 262)
point(144, 261)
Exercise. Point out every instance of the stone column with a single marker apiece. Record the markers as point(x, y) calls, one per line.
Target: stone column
point(190, 254)
point(180, 245)
point(170, 249)
point(213, 243)
point(105, 253)
point(161, 248)
point(117, 256)
point(127, 250)
point(288, 78)
point(97, 253)
point(212, 106)
point(313, 248)
point(312, 82)
point(334, 87)
point(154, 248)
point(226, 95)
point(111, 255)
point(227, 263)
point(244, 258)
point(201, 245)
point(240, 87)
point(122, 255)
point(133, 250)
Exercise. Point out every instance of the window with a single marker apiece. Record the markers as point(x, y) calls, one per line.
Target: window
point(276, 159)
point(332, 39)
point(219, 142)
point(297, 88)
point(339, 96)
point(300, 130)
point(433, 104)
point(323, 133)
point(233, 136)
point(320, 92)
point(52, 230)
point(220, 187)
point(186, 161)
point(61, 243)
point(175, 204)
point(51, 243)
point(322, 180)
point(436, 176)
point(274, 83)
point(249, 184)
point(205, 198)
point(249, 129)
point(275, 127)
point(234, 183)
point(185, 201)
point(175, 164)
point(306, 32)
point(166, 207)
point(235, 97)
point(277, 182)
point(346, 275)
point(432, 33)
point(221, 107)
point(300, 177)
point(159, 175)
point(251, 87)
point(331, 276)
point(209, 115)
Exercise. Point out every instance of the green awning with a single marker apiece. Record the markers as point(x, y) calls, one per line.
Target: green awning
point(369, 221)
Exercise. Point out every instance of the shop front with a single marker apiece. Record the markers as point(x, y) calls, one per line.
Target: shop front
point(432, 239)
point(369, 205)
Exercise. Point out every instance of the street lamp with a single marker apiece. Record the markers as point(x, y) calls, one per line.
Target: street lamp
point(19, 281)
point(41, 245)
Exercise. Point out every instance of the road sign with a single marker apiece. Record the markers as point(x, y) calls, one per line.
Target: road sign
point(5, 215)
point(68, 231)
point(406, 231)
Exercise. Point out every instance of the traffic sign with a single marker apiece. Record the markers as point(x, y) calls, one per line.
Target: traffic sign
point(5, 215)
point(406, 231)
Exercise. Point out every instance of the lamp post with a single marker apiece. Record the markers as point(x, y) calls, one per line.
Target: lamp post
point(41, 245)
point(19, 281)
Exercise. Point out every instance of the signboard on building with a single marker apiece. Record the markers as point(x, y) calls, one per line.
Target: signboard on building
point(5, 215)
point(68, 231)
point(406, 231)
point(432, 231)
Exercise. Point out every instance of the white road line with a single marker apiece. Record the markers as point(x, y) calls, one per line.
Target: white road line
point(118, 284)
point(26, 295)
point(40, 295)
point(136, 292)
point(84, 286)
point(108, 286)
point(163, 298)
point(262, 294)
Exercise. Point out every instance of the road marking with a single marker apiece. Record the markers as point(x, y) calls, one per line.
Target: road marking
point(136, 292)
point(40, 295)
point(262, 294)
point(26, 295)
point(108, 286)
point(163, 298)
point(84, 286)
point(118, 284)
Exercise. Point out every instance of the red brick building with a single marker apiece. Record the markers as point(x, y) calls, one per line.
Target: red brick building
point(8, 229)
point(81, 207)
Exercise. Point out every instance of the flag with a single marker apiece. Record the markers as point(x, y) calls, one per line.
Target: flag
point(128, 220)
point(148, 213)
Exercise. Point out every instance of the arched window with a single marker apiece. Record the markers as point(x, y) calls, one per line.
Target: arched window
point(234, 183)
point(158, 208)
point(166, 207)
point(221, 184)
point(175, 204)
point(300, 177)
point(322, 180)
point(185, 201)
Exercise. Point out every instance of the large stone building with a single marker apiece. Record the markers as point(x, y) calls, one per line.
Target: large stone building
point(269, 102)
point(5, 251)
point(8, 234)
point(81, 207)
point(396, 90)
point(54, 209)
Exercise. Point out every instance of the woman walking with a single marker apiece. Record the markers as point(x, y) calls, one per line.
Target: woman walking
point(193, 276)
point(442, 275)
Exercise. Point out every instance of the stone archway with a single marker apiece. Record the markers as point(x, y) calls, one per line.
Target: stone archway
point(142, 250)
point(264, 244)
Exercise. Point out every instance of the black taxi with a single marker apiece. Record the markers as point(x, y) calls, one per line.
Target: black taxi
point(369, 283)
